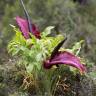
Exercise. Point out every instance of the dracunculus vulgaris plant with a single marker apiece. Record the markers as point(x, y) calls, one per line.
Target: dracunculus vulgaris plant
point(45, 51)
point(57, 57)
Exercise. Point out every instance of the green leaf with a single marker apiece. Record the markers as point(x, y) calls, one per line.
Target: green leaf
point(15, 52)
point(29, 42)
point(76, 48)
point(47, 31)
point(30, 67)
point(33, 38)
point(38, 65)
point(39, 57)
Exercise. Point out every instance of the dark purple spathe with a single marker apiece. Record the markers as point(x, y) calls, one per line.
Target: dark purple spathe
point(23, 25)
point(65, 58)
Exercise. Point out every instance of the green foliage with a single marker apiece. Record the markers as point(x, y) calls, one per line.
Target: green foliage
point(32, 52)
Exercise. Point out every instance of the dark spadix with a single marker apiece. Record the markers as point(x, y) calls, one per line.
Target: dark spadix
point(26, 25)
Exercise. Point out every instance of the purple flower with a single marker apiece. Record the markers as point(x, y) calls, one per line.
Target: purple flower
point(63, 57)
point(23, 24)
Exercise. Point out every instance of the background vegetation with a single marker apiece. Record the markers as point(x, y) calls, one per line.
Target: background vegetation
point(76, 20)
